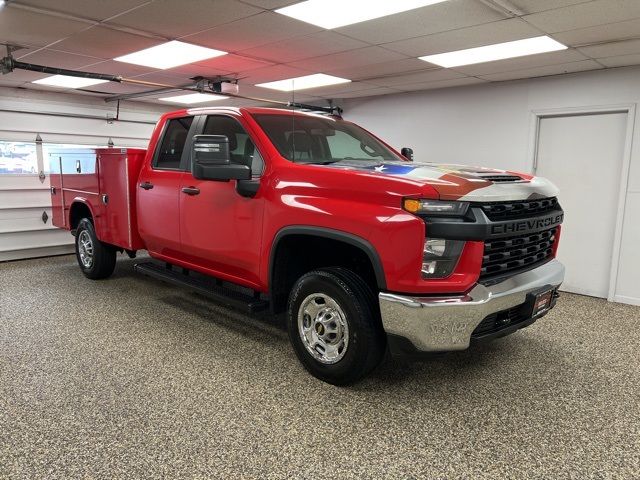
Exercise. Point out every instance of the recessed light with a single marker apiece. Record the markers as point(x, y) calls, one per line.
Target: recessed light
point(193, 98)
point(169, 55)
point(338, 13)
point(65, 81)
point(499, 51)
point(302, 83)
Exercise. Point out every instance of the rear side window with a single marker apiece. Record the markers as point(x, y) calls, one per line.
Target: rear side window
point(172, 145)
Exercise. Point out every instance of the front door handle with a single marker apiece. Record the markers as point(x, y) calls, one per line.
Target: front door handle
point(191, 190)
point(146, 185)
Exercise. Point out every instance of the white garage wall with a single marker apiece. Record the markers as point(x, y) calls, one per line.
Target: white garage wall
point(57, 118)
point(491, 125)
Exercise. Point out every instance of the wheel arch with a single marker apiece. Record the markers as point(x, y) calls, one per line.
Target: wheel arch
point(355, 242)
point(80, 208)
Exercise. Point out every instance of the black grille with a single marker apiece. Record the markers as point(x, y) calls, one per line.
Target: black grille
point(519, 209)
point(500, 320)
point(508, 255)
point(501, 178)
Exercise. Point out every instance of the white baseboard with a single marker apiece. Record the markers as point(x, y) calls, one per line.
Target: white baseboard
point(624, 299)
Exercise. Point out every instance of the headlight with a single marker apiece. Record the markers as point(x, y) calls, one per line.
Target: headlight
point(435, 207)
point(440, 257)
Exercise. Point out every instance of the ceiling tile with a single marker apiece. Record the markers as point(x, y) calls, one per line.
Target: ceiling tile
point(172, 18)
point(351, 58)
point(521, 63)
point(533, 6)
point(428, 75)
point(105, 43)
point(251, 32)
point(230, 63)
point(55, 58)
point(272, 73)
point(620, 61)
point(100, 10)
point(314, 45)
point(31, 28)
point(337, 90)
point(583, 15)
point(9, 83)
point(454, 82)
point(476, 36)
point(423, 21)
point(600, 33)
point(373, 92)
point(544, 71)
point(396, 67)
point(271, 4)
point(112, 67)
point(613, 49)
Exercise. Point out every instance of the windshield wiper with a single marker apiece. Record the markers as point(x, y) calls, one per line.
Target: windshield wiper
point(319, 162)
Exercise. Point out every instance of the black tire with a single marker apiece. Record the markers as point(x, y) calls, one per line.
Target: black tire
point(103, 257)
point(366, 339)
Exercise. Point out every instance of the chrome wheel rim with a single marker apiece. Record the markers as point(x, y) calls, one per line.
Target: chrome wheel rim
point(85, 249)
point(323, 328)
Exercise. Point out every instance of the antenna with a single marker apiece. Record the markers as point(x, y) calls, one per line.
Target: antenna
point(293, 119)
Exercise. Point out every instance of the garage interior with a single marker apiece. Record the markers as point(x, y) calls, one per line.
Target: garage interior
point(130, 377)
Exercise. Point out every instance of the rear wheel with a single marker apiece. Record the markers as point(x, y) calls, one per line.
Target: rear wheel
point(96, 259)
point(334, 325)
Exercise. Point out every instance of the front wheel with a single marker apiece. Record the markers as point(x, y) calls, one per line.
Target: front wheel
point(96, 259)
point(334, 325)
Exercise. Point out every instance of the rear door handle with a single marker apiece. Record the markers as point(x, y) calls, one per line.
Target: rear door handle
point(191, 190)
point(146, 185)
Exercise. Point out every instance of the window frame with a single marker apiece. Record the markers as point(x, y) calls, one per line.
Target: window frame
point(203, 123)
point(184, 164)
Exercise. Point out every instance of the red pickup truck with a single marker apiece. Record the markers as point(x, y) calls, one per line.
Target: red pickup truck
point(312, 215)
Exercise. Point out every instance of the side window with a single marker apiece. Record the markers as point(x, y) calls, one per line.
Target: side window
point(172, 145)
point(241, 146)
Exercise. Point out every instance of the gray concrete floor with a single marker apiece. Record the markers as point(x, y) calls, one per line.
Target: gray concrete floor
point(132, 378)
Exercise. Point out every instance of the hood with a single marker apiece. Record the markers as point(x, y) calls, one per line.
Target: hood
point(461, 182)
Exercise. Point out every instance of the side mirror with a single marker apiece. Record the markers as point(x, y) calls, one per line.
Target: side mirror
point(211, 160)
point(407, 153)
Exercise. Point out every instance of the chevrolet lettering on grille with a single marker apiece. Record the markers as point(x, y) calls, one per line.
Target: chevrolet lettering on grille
point(526, 225)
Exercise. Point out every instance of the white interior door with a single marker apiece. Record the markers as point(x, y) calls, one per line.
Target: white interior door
point(583, 156)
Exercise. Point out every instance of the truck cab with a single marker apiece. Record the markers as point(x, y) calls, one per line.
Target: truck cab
point(313, 216)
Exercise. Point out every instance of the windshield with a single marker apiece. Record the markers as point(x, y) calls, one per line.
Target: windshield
point(305, 139)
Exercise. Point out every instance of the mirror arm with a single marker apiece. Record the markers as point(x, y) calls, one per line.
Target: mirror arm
point(248, 188)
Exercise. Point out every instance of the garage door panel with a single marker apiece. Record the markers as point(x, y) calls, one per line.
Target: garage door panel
point(26, 240)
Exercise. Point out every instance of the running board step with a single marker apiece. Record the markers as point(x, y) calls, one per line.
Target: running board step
point(206, 286)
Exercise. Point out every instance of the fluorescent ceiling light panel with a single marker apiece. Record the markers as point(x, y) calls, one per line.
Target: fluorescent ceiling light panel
point(338, 13)
point(193, 98)
point(169, 55)
point(65, 81)
point(302, 83)
point(499, 51)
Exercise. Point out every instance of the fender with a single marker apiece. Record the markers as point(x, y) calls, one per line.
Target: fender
point(339, 235)
point(84, 201)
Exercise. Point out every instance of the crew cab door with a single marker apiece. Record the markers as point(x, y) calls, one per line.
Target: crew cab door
point(158, 189)
point(220, 229)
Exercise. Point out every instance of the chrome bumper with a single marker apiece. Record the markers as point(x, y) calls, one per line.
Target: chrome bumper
point(434, 324)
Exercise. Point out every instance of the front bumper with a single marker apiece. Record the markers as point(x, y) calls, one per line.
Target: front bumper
point(435, 324)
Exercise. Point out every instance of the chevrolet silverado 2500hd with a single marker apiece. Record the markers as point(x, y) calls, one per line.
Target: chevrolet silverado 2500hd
point(313, 216)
